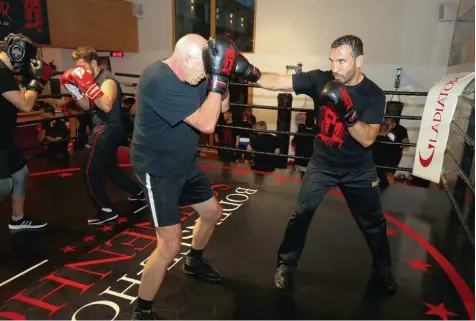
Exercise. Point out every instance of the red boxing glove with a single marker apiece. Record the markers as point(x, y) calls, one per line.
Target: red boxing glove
point(71, 87)
point(84, 80)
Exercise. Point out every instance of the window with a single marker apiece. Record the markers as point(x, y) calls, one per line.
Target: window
point(234, 17)
point(191, 16)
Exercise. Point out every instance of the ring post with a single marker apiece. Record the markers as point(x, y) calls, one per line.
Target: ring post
point(283, 123)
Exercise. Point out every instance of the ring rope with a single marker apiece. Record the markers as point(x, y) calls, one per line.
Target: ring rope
point(460, 173)
point(285, 155)
point(457, 209)
point(300, 134)
point(467, 139)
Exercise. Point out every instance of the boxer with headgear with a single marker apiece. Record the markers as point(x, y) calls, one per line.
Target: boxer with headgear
point(18, 55)
point(95, 89)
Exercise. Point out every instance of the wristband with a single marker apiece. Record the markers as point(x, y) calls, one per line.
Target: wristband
point(217, 84)
point(35, 85)
point(94, 92)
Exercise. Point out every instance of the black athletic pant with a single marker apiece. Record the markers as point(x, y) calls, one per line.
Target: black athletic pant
point(362, 194)
point(101, 158)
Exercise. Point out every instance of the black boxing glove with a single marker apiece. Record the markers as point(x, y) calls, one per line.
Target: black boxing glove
point(219, 60)
point(246, 70)
point(335, 95)
point(41, 73)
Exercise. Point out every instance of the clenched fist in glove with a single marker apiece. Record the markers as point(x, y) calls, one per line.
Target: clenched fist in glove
point(246, 70)
point(40, 73)
point(335, 95)
point(219, 60)
point(79, 79)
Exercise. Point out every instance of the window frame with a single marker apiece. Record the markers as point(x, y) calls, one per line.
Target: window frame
point(213, 10)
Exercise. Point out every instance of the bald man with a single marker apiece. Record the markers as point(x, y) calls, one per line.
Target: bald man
point(175, 103)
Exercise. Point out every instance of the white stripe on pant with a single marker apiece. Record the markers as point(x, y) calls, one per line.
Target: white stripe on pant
point(150, 194)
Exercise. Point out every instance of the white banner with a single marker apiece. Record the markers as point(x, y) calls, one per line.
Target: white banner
point(435, 125)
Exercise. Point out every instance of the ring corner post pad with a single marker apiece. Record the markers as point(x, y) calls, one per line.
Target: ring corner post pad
point(283, 123)
point(435, 124)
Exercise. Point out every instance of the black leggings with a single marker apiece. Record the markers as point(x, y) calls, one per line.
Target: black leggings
point(362, 195)
point(101, 158)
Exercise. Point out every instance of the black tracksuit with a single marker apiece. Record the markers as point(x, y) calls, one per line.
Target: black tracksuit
point(101, 150)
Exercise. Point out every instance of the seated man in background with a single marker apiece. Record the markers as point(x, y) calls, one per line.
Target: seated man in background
point(262, 142)
point(127, 120)
point(381, 154)
point(227, 137)
point(303, 145)
point(397, 134)
point(54, 132)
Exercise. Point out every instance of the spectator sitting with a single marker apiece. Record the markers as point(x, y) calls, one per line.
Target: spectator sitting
point(227, 137)
point(397, 134)
point(248, 120)
point(262, 142)
point(303, 145)
point(54, 132)
point(128, 119)
point(381, 154)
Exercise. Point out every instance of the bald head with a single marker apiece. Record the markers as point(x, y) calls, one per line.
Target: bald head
point(187, 58)
point(190, 45)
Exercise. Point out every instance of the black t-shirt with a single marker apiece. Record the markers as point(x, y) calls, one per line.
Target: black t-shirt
point(264, 143)
point(334, 148)
point(303, 145)
point(381, 152)
point(397, 135)
point(162, 143)
point(55, 128)
point(226, 136)
point(8, 117)
point(113, 117)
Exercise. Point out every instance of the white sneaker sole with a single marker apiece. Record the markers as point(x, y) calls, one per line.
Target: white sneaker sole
point(26, 227)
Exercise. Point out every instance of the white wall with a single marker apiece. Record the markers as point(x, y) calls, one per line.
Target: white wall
point(395, 33)
point(462, 47)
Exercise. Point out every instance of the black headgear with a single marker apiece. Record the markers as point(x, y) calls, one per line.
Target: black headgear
point(19, 50)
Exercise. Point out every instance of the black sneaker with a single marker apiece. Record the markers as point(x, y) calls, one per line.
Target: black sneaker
point(200, 268)
point(102, 217)
point(144, 315)
point(385, 280)
point(26, 224)
point(283, 277)
point(138, 197)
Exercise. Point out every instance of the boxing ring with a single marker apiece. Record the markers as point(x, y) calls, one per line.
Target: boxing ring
point(74, 271)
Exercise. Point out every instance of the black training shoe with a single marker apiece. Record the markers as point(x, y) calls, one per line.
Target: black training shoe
point(102, 217)
point(200, 268)
point(26, 224)
point(144, 315)
point(283, 278)
point(385, 281)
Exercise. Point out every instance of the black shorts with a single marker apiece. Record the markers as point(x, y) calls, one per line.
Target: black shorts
point(165, 194)
point(11, 161)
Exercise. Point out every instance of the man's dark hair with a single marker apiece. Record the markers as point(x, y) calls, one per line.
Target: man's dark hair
point(353, 42)
point(86, 53)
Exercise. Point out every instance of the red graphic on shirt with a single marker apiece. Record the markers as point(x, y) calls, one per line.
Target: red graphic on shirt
point(332, 129)
point(33, 16)
point(227, 139)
